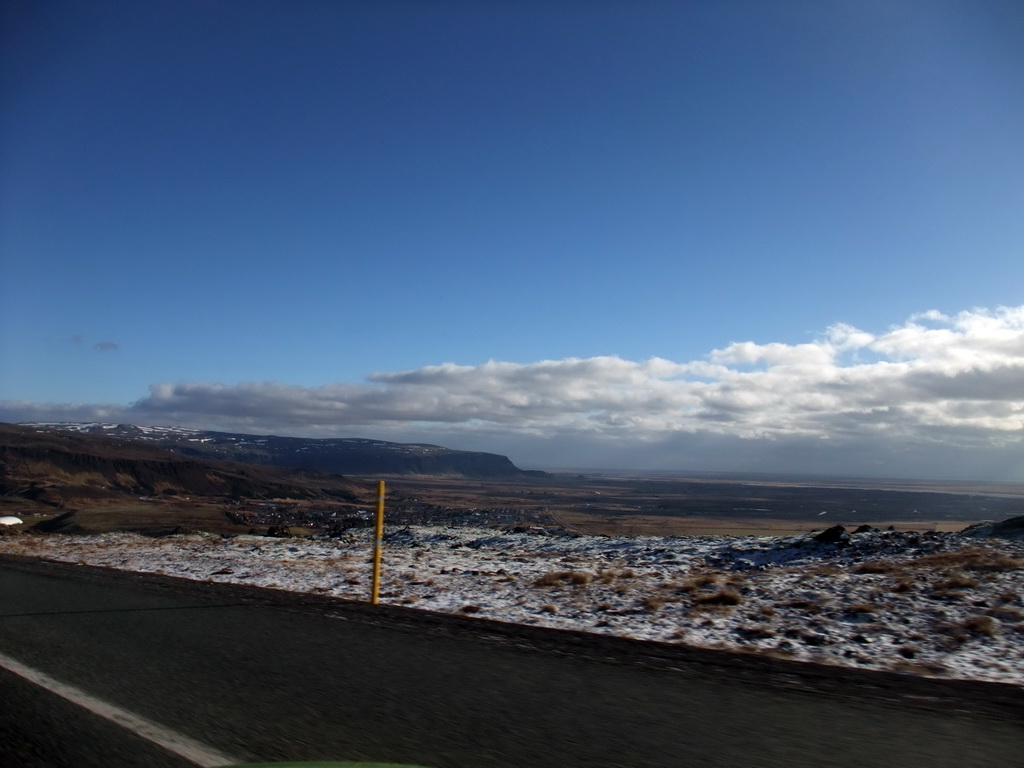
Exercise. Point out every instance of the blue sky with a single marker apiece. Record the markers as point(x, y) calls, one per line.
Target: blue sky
point(482, 224)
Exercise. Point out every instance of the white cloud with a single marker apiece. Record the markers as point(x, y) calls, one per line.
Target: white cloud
point(936, 385)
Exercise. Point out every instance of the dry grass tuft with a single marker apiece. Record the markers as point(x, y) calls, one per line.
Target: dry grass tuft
point(697, 582)
point(653, 602)
point(555, 578)
point(724, 596)
point(875, 566)
point(1006, 613)
point(981, 625)
point(807, 606)
point(550, 579)
point(956, 580)
point(903, 584)
point(972, 559)
point(955, 635)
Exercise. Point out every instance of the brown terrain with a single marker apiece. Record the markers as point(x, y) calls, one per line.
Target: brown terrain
point(71, 482)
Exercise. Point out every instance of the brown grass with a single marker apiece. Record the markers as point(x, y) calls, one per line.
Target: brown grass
point(956, 580)
point(955, 634)
point(971, 559)
point(1006, 613)
point(875, 566)
point(981, 625)
point(550, 579)
point(724, 596)
point(695, 583)
point(808, 606)
point(609, 575)
point(903, 584)
point(653, 602)
point(555, 578)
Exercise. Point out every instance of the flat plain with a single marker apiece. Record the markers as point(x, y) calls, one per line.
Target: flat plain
point(601, 504)
point(653, 505)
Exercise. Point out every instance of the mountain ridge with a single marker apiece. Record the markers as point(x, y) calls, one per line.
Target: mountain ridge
point(347, 456)
point(55, 468)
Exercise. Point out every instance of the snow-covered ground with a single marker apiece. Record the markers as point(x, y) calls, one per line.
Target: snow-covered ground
point(934, 604)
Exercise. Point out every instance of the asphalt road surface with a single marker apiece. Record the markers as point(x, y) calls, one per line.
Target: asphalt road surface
point(259, 675)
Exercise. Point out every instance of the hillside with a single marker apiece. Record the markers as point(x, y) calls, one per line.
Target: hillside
point(935, 604)
point(55, 469)
point(349, 456)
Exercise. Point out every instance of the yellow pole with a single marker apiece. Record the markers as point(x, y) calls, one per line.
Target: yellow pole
point(377, 540)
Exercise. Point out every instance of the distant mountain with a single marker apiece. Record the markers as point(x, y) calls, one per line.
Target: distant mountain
point(57, 467)
point(348, 456)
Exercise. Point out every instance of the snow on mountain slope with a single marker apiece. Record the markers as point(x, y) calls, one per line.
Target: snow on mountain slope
point(340, 455)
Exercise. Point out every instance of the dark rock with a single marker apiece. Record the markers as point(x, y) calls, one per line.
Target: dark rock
point(405, 535)
point(65, 523)
point(1008, 529)
point(815, 638)
point(835, 535)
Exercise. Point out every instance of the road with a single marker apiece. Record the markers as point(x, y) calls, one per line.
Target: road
point(256, 674)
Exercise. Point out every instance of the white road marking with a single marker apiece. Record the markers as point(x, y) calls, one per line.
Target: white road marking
point(180, 745)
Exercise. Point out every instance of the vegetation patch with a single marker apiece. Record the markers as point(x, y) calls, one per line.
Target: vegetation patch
point(555, 578)
point(726, 596)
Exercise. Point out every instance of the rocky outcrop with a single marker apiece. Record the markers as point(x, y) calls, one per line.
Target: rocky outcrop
point(1006, 529)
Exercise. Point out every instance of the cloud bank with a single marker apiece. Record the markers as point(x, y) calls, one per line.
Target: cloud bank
point(939, 395)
